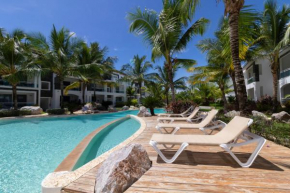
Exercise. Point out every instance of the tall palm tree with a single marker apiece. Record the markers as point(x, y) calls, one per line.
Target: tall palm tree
point(161, 77)
point(16, 60)
point(274, 27)
point(169, 32)
point(137, 71)
point(57, 55)
point(92, 64)
point(219, 51)
point(233, 8)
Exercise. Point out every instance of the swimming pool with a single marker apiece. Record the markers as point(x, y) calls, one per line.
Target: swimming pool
point(32, 148)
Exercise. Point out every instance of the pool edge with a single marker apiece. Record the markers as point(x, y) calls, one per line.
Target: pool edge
point(54, 182)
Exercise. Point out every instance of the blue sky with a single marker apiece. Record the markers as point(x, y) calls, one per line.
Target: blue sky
point(105, 21)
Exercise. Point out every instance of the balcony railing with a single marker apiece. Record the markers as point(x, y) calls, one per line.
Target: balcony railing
point(285, 74)
point(251, 80)
point(22, 84)
point(120, 91)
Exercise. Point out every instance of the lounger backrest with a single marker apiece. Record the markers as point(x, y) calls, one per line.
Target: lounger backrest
point(190, 108)
point(233, 129)
point(210, 116)
point(193, 113)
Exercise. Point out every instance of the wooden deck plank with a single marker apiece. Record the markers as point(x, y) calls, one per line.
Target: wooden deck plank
point(204, 169)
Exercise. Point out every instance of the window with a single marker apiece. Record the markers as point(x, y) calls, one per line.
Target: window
point(261, 91)
point(45, 85)
point(260, 69)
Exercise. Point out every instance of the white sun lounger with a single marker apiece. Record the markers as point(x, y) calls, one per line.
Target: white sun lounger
point(172, 119)
point(184, 114)
point(226, 139)
point(162, 127)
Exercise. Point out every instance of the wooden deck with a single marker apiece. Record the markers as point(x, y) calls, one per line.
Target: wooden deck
point(204, 169)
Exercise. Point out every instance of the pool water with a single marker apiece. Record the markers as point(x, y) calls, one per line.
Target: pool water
point(108, 138)
point(31, 148)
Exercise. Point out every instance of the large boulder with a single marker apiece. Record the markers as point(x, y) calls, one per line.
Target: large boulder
point(232, 114)
point(259, 114)
point(124, 108)
point(282, 116)
point(122, 169)
point(34, 110)
point(143, 112)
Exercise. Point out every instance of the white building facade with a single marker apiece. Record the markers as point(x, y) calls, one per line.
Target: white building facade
point(44, 91)
point(259, 79)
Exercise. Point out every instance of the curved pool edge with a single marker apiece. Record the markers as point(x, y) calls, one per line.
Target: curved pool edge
point(54, 182)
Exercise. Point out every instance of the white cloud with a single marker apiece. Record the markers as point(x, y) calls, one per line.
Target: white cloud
point(116, 49)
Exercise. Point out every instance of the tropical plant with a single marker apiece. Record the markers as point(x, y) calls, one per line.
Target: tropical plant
point(137, 72)
point(218, 49)
point(92, 64)
point(274, 27)
point(168, 33)
point(57, 55)
point(161, 77)
point(232, 9)
point(130, 91)
point(206, 92)
point(155, 96)
point(16, 60)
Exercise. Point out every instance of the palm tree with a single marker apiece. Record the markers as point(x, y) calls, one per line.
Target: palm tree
point(92, 64)
point(137, 71)
point(233, 8)
point(274, 27)
point(219, 51)
point(57, 55)
point(16, 60)
point(161, 77)
point(168, 33)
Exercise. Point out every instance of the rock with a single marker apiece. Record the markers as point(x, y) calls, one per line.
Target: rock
point(232, 114)
point(34, 110)
point(282, 116)
point(122, 169)
point(143, 112)
point(124, 108)
point(133, 108)
point(259, 114)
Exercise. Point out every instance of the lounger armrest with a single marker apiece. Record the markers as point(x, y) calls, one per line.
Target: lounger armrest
point(218, 124)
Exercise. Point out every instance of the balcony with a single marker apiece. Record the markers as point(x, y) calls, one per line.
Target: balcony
point(57, 87)
point(285, 73)
point(251, 80)
point(22, 84)
point(120, 91)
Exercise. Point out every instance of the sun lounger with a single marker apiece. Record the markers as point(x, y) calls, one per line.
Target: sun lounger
point(209, 119)
point(184, 114)
point(226, 139)
point(172, 119)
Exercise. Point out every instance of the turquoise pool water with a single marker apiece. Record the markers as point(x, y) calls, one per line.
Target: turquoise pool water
point(108, 138)
point(32, 148)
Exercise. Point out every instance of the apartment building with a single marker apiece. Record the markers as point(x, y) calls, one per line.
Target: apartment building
point(259, 79)
point(45, 91)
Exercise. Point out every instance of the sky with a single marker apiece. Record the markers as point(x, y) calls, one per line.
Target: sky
point(105, 21)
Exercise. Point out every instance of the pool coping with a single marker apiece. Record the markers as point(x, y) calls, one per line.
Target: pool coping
point(69, 162)
point(54, 182)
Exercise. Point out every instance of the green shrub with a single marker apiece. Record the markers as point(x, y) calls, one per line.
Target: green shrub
point(106, 104)
point(55, 111)
point(287, 106)
point(151, 103)
point(120, 104)
point(134, 102)
point(14, 113)
point(71, 107)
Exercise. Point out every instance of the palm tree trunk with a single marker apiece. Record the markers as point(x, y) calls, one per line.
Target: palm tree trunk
point(222, 88)
point(170, 77)
point(274, 70)
point(239, 76)
point(232, 75)
point(61, 94)
point(14, 96)
point(167, 98)
point(95, 93)
point(152, 111)
point(84, 92)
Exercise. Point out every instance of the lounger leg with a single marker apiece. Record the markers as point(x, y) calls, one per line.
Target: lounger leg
point(169, 161)
point(260, 140)
point(173, 131)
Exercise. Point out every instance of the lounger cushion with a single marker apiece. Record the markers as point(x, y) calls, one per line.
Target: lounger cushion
point(229, 133)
